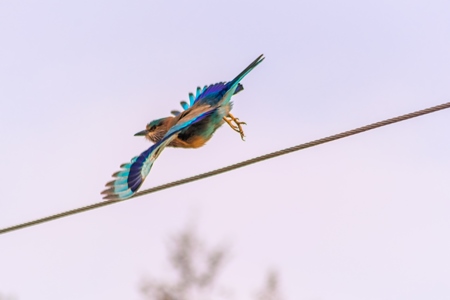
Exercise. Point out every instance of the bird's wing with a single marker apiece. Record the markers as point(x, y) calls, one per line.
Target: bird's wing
point(207, 92)
point(219, 92)
point(128, 180)
point(213, 92)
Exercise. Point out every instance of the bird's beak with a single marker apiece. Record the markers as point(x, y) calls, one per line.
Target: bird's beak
point(141, 133)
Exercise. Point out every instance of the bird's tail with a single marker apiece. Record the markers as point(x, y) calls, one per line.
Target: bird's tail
point(233, 84)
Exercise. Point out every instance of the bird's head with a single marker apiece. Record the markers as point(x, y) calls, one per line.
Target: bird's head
point(156, 129)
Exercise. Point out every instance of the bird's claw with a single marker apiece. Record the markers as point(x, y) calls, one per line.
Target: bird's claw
point(235, 124)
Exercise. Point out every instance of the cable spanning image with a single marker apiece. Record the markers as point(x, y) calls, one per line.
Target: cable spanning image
point(192, 128)
point(234, 166)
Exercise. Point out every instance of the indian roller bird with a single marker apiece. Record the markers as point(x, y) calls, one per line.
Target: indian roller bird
point(191, 128)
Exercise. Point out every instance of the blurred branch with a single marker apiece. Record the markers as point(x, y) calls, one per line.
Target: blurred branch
point(196, 269)
point(271, 288)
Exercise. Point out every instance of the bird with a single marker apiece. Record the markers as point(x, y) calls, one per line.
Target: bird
point(193, 127)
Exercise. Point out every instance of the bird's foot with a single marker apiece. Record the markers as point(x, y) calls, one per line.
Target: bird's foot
point(235, 124)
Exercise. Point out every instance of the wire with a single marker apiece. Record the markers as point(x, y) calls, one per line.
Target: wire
point(234, 166)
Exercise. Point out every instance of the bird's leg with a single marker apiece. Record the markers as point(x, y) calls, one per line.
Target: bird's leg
point(230, 119)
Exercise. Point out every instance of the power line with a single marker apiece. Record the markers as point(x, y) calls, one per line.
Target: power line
point(234, 166)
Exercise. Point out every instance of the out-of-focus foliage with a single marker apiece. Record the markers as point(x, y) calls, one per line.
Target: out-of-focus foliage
point(271, 288)
point(196, 269)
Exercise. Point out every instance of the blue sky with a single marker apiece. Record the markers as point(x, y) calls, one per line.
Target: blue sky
point(361, 218)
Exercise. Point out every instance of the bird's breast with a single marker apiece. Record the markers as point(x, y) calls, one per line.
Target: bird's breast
point(197, 141)
point(193, 142)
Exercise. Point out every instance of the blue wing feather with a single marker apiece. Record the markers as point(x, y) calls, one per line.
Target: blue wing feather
point(191, 99)
point(184, 105)
point(130, 178)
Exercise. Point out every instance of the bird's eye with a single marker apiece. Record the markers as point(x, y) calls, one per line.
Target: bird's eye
point(152, 128)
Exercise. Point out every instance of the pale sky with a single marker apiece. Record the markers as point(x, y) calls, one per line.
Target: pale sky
point(366, 217)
